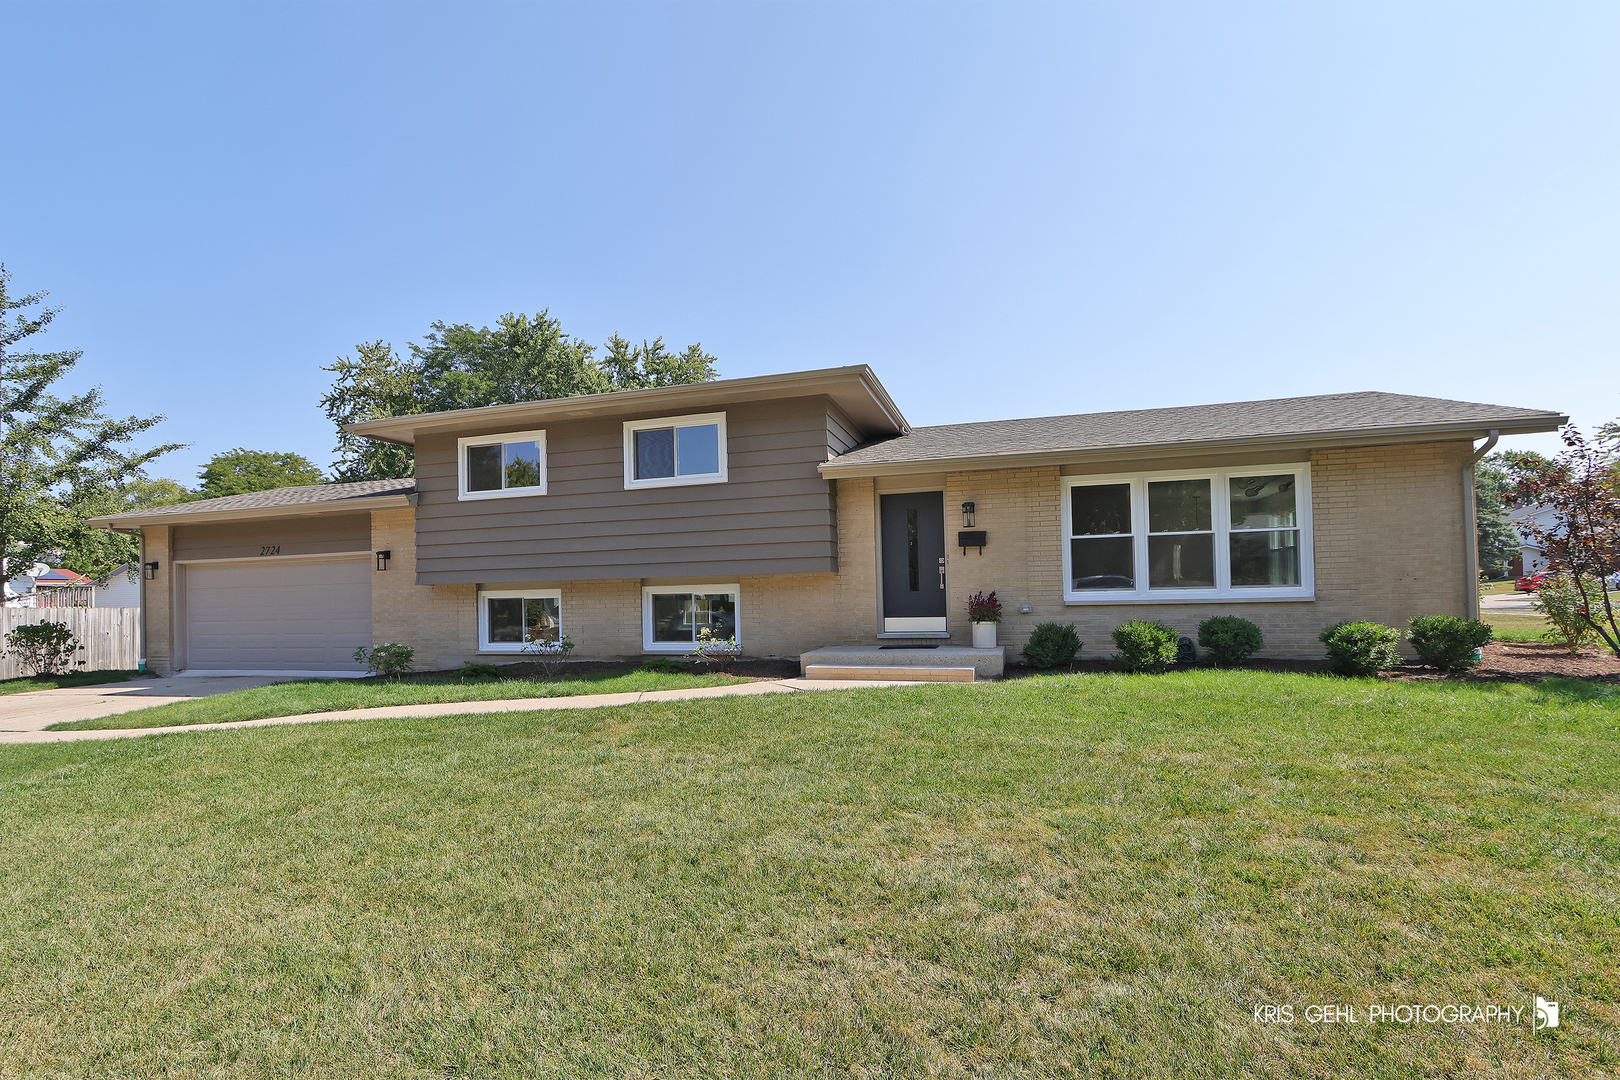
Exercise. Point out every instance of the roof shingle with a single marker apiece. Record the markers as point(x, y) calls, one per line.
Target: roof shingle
point(305, 494)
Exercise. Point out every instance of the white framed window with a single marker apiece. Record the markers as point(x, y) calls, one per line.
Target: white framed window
point(508, 618)
point(672, 451)
point(1233, 534)
point(501, 466)
point(673, 617)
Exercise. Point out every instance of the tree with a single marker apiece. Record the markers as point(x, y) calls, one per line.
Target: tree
point(97, 552)
point(239, 471)
point(1498, 541)
point(458, 366)
point(55, 452)
point(1583, 541)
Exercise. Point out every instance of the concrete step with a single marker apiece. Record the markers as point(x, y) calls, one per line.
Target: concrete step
point(986, 663)
point(875, 673)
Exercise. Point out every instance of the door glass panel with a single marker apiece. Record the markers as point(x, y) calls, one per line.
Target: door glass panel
point(1179, 506)
point(672, 616)
point(1103, 562)
point(505, 620)
point(911, 548)
point(697, 450)
point(484, 468)
point(1181, 561)
point(1265, 558)
point(522, 464)
point(1263, 502)
point(655, 453)
point(1103, 509)
point(541, 618)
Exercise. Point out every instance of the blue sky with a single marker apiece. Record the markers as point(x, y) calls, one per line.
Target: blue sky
point(1005, 210)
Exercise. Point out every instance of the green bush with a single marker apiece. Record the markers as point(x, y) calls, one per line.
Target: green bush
point(43, 648)
point(1229, 640)
point(1447, 642)
point(1567, 624)
point(386, 659)
point(1052, 645)
point(471, 670)
point(1145, 646)
point(663, 665)
point(1360, 648)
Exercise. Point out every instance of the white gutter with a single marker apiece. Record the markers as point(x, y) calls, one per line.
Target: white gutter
point(1471, 528)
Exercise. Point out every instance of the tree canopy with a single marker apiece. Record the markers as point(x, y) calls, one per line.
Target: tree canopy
point(458, 366)
point(57, 454)
point(239, 471)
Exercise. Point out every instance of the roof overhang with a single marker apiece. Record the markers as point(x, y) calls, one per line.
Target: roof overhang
point(855, 390)
point(135, 519)
point(1439, 432)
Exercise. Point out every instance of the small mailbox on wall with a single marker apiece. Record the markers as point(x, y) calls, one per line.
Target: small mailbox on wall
point(974, 538)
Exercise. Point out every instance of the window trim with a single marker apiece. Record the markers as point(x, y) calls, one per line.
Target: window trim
point(462, 494)
point(1224, 591)
point(691, 420)
point(487, 646)
point(649, 591)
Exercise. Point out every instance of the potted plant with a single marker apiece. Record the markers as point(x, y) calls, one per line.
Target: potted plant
point(984, 612)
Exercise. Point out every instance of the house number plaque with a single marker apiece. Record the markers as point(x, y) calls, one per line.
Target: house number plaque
point(271, 549)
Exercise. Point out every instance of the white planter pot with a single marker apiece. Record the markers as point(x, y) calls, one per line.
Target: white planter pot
point(984, 635)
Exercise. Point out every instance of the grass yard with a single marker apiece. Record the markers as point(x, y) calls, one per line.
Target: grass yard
point(1085, 875)
point(1510, 627)
point(330, 695)
point(30, 683)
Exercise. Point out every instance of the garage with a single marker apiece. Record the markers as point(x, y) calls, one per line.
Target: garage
point(277, 615)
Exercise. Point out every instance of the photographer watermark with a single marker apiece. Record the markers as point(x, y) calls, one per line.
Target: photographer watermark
point(1540, 1014)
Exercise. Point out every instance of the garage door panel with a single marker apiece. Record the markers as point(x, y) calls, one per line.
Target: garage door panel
point(278, 615)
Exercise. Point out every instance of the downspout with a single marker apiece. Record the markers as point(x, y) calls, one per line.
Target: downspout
point(1471, 524)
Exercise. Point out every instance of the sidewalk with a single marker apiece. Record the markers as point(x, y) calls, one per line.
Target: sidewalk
point(33, 733)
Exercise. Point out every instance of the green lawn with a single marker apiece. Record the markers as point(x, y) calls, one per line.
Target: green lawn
point(1507, 626)
point(1086, 875)
point(329, 695)
point(29, 683)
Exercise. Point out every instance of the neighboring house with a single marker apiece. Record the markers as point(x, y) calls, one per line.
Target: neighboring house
point(120, 588)
point(57, 587)
point(1531, 556)
point(801, 510)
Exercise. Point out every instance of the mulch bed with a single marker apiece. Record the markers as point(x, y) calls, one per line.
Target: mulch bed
point(745, 669)
point(1505, 661)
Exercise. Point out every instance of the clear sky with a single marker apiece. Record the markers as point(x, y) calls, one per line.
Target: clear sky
point(1005, 210)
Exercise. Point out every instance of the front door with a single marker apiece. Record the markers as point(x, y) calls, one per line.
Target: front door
point(913, 539)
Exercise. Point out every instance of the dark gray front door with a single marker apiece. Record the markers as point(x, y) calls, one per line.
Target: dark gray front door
point(913, 538)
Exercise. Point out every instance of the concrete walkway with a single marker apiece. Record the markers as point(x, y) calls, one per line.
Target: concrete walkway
point(28, 727)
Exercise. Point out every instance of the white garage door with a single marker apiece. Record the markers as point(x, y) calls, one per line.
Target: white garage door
point(276, 615)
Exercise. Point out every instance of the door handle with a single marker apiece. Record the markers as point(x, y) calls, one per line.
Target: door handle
point(942, 573)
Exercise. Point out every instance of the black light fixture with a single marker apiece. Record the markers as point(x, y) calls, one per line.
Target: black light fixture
point(382, 559)
point(151, 570)
point(967, 515)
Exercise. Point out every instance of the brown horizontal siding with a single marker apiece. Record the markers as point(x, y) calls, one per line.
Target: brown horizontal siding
point(842, 434)
point(774, 515)
point(294, 536)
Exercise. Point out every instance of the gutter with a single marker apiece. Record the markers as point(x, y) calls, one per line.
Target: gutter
point(1471, 528)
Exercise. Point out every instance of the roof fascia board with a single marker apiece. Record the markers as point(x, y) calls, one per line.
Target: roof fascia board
point(847, 386)
point(1200, 448)
point(114, 522)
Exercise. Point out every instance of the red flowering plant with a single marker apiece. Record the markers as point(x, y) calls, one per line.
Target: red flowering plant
point(982, 608)
point(1582, 488)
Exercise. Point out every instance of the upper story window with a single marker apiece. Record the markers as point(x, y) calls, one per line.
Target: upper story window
point(496, 466)
point(674, 450)
point(1241, 534)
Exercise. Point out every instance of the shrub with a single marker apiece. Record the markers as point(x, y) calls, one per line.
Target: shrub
point(1229, 639)
point(44, 648)
point(1360, 648)
point(717, 652)
point(1567, 624)
point(1447, 642)
point(1145, 646)
point(471, 670)
point(1052, 645)
point(982, 608)
point(663, 665)
point(550, 655)
point(387, 659)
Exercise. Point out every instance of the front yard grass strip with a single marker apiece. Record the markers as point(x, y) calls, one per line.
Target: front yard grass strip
point(330, 695)
point(27, 684)
point(1522, 628)
point(1055, 876)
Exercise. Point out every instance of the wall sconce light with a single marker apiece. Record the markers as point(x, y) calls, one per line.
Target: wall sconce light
point(967, 515)
point(382, 559)
point(151, 570)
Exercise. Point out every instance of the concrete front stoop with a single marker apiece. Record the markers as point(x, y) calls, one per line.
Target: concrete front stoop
point(947, 663)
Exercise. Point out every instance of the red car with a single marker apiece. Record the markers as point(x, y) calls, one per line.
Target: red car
point(1533, 582)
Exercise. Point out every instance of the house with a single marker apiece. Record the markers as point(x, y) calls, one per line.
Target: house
point(45, 586)
point(801, 510)
point(118, 588)
point(1531, 555)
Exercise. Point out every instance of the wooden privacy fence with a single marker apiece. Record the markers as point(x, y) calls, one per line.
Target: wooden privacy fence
point(111, 636)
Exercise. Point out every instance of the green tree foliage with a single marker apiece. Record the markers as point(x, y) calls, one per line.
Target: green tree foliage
point(458, 366)
point(1498, 542)
point(56, 453)
point(97, 552)
point(239, 471)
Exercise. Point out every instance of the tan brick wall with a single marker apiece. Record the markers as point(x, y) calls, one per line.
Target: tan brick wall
point(1389, 544)
point(603, 618)
point(158, 600)
point(438, 621)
